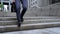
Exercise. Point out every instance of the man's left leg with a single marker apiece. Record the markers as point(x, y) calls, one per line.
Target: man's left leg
point(25, 6)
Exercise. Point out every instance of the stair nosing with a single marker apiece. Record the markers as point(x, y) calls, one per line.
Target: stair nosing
point(31, 20)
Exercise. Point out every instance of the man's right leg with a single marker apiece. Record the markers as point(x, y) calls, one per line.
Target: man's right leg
point(17, 3)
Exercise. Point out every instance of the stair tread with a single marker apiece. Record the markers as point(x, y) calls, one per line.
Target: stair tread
point(35, 17)
point(30, 19)
point(14, 22)
point(39, 24)
point(7, 25)
point(8, 28)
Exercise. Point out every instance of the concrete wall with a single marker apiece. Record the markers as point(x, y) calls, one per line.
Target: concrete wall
point(50, 10)
point(43, 3)
point(44, 10)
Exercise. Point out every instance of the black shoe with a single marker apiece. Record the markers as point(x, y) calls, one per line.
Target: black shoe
point(19, 24)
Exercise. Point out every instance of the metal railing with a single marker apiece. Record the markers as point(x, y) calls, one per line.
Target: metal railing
point(32, 3)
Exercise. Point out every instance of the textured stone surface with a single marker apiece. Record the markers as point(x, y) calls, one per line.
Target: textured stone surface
point(55, 30)
point(50, 10)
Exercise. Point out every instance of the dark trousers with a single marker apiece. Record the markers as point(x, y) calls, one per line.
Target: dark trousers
point(18, 8)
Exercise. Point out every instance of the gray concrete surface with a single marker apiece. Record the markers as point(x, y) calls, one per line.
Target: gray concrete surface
point(55, 30)
point(28, 20)
point(10, 28)
point(50, 10)
point(8, 24)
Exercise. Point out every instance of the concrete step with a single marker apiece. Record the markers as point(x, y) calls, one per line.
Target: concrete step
point(30, 18)
point(8, 24)
point(9, 28)
point(14, 22)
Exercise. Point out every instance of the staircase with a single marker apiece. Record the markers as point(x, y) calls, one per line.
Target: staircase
point(8, 24)
point(36, 19)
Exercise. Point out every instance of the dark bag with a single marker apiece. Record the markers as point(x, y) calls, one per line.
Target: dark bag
point(13, 9)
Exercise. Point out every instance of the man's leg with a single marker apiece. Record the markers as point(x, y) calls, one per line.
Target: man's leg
point(25, 6)
point(17, 3)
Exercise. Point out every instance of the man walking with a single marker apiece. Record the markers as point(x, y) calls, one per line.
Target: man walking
point(18, 8)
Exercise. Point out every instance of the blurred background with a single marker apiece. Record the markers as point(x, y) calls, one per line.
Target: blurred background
point(34, 6)
point(42, 16)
